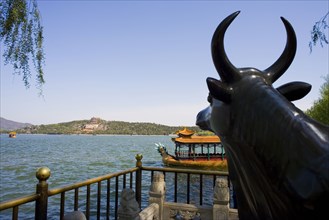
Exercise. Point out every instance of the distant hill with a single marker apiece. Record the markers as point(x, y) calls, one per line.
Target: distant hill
point(11, 125)
point(100, 126)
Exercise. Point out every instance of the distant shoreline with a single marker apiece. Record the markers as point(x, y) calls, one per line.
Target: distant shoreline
point(98, 126)
point(6, 133)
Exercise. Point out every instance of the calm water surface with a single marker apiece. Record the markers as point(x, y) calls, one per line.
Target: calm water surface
point(74, 158)
point(71, 158)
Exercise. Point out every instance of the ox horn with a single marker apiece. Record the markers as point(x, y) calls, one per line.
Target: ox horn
point(224, 67)
point(281, 65)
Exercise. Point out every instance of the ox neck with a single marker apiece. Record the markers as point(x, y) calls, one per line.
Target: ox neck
point(263, 116)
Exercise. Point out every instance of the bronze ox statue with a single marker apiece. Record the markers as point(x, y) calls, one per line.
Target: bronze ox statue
point(278, 157)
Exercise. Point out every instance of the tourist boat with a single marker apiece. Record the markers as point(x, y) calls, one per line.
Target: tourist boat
point(12, 134)
point(197, 152)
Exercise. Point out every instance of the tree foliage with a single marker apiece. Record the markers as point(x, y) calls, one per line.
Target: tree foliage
point(320, 109)
point(318, 32)
point(22, 34)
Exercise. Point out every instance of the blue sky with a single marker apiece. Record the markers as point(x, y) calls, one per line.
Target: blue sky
point(147, 61)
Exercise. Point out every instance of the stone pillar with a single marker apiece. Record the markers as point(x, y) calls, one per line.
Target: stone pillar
point(221, 199)
point(129, 207)
point(158, 192)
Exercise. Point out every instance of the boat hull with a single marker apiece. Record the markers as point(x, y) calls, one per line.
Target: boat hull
point(204, 164)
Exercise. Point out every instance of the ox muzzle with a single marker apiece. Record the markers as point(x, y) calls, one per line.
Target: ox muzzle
point(203, 119)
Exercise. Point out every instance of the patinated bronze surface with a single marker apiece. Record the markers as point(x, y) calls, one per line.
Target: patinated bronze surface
point(278, 157)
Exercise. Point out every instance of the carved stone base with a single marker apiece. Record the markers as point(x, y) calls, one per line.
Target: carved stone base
point(129, 208)
point(76, 215)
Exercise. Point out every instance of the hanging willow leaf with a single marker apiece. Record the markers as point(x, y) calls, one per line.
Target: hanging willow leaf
point(22, 35)
point(318, 32)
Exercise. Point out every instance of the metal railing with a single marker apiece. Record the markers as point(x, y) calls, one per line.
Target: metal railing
point(181, 184)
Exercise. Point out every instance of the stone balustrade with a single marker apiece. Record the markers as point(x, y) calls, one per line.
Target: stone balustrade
point(159, 209)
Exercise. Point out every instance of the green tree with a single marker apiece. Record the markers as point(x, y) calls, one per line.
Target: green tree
point(320, 109)
point(318, 32)
point(21, 33)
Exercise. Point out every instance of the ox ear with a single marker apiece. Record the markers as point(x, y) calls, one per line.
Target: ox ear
point(218, 90)
point(295, 90)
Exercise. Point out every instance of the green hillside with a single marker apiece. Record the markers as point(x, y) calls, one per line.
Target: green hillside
point(99, 126)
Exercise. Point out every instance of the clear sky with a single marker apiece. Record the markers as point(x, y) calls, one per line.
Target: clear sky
point(147, 61)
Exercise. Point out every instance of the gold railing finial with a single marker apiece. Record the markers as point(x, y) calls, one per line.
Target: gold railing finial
point(42, 174)
point(139, 158)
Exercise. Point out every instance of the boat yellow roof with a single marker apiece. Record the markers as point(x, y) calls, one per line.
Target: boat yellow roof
point(184, 132)
point(197, 139)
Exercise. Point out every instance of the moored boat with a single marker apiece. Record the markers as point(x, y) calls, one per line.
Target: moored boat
point(12, 134)
point(198, 152)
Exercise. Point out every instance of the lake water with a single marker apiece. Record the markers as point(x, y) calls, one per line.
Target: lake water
point(71, 158)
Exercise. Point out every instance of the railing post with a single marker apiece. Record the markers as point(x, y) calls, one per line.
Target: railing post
point(221, 199)
point(41, 204)
point(158, 192)
point(139, 158)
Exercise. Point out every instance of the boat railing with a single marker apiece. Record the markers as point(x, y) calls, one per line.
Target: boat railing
point(98, 198)
point(186, 155)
